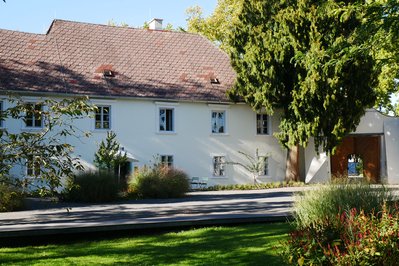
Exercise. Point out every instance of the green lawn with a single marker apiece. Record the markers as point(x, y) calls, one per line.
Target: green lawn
point(239, 245)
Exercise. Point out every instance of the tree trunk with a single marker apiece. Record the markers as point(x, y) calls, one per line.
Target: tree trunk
point(292, 164)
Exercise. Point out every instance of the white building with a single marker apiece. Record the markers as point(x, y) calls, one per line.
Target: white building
point(163, 93)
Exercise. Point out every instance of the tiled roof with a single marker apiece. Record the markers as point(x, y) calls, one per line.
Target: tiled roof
point(72, 56)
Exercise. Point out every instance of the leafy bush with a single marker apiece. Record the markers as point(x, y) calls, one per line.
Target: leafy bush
point(11, 199)
point(159, 182)
point(92, 187)
point(344, 224)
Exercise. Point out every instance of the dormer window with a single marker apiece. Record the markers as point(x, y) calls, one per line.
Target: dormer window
point(108, 73)
point(215, 81)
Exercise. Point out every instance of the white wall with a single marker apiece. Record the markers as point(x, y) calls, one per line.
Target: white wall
point(192, 144)
point(317, 166)
point(391, 128)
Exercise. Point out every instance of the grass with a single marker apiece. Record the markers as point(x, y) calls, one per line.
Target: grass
point(325, 202)
point(256, 244)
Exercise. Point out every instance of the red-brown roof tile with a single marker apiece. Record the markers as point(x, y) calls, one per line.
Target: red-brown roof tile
point(71, 57)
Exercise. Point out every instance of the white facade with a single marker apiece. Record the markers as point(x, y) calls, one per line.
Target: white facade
point(191, 141)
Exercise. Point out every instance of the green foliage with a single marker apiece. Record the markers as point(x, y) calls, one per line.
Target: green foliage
point(353, 238)
point(254, 186)
point(112, 23)
point(11, 198)
point(325, 201)
point(92, 187)
point(255, 244)
point(309, 59)
point(344, 224)
point(159, 182)
point(218, 25)
point(109, 155)
point(47, 146)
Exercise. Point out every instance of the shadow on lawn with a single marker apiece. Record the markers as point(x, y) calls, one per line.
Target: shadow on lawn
point(238, 245)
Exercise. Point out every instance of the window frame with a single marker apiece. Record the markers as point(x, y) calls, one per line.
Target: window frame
point(167, 162)
point(33, 167)
point(266, 167)
point(219, 167)
point(268, 124)
point(102, 121)
point(224, 112)
point(166, 105)
point(34, 119)
point(171, 123)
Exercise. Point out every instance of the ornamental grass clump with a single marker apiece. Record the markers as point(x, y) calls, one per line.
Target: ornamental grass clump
point(158, 182)
point(99, 186)
point(325, 201)
point(344, 224)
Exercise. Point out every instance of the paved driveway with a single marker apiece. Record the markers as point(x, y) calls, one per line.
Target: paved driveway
point(199, 208)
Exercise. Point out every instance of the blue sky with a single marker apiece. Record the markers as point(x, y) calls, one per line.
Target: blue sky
point(36, 15)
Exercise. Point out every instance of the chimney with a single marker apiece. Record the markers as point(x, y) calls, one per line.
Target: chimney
point(156, 24)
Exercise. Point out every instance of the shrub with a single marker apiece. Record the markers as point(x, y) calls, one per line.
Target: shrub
point(254, 186)
point(354, 238)
point(159, 182)
point(11, 198)
point(344, 224)
point(92, 187)
point(325, 201)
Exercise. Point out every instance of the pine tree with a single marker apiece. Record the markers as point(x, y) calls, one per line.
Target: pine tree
point(108, 155)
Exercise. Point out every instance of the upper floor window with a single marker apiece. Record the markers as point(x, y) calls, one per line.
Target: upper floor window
point(166, 119)
point(262, 124)
point(33, 117)
point(32, 166)
point(103, 117)
point(218, 121)
point(167, 160)
point(219, 164)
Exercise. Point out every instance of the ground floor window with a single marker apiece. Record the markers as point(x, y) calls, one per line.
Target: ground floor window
point(264, 167)
point(32, 166)
point(167, 160)
point(219, 164)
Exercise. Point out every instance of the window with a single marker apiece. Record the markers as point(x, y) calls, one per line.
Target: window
point(219, 163)
point(218, 122)
point(166, 119)
point(33, 117)
point(103, 115)
point(167, 160)
point(264, 166)
point(32, 166)
point(262, 124)
point(1, 114)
